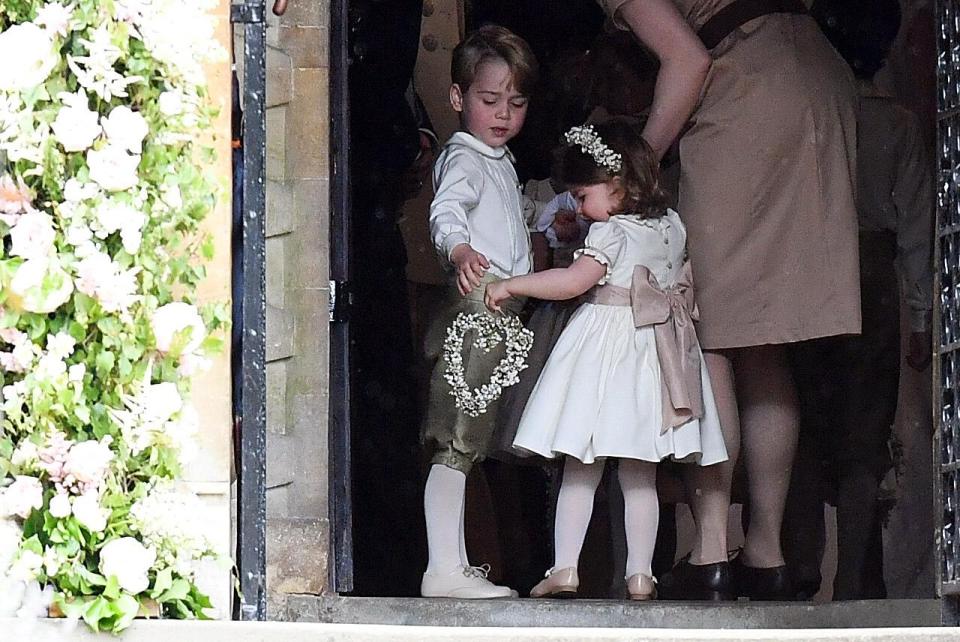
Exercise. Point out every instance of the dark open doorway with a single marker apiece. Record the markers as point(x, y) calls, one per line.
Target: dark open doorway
point(376, 466)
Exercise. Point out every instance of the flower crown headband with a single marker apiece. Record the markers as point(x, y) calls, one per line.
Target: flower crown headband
point(590, 143)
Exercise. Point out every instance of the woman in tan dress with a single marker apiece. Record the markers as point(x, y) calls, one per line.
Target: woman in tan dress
point(767, 193)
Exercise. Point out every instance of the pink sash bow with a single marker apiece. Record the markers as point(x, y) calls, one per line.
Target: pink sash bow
point(671, 312)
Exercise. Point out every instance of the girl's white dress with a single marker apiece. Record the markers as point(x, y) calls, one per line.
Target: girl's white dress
point(599, 394)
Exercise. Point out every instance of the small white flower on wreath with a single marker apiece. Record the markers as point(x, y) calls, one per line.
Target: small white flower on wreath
point(490, 331)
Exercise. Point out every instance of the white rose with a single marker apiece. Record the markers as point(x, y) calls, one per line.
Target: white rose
point(76, 127)
point(161, 401)
point(126, 128)
point(76, 372)
point(75, 191)
point(61, 344)
point(182, 433)
point(33, 235)
point(87, 461)
point(55, 18)
point(26, 454)
point(170, 103)
point(26, 567)
point(21, 497)
point(113, 168)
point(40, 285)
point(28, 57)
point(87, 510)
point(174, 317)
point(60, 505)
point(10, 536)
point(128, 560)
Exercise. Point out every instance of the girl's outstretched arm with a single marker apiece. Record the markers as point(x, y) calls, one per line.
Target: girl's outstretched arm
point(554, 285)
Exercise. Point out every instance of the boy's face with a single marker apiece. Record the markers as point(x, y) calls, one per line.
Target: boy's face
point(491, 109)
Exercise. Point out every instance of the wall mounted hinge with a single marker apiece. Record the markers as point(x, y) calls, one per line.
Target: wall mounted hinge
point(341, 298)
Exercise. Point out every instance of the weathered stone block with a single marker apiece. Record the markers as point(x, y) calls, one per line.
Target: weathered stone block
point(296, 560)
point(276, 272)
point(276, 142)
point(307, 146)
point(310, 245)
point(280, 208)
point(279, 77)
point(306, 13)
point(277, 397)
point(303, 45)
point(281, 326)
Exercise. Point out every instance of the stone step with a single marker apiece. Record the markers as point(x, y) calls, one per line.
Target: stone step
point(613, 613)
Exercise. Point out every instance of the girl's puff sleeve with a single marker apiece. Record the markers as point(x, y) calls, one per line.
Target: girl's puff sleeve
point(604, 243)
point(458, 180)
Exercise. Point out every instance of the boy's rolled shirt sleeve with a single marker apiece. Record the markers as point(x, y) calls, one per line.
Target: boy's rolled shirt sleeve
point(914, 198)
point(458, 183)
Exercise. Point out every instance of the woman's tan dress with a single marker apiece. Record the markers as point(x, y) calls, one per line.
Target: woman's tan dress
point(767, 184)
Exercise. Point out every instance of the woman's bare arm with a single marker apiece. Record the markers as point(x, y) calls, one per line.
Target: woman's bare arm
point(684, 63)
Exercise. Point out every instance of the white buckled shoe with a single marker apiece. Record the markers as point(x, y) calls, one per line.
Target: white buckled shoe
point(463, 583)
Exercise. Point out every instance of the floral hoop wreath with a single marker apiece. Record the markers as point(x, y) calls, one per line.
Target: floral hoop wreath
point(491, 331)
point(590, 143)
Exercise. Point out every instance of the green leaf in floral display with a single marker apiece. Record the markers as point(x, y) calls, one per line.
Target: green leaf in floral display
point(126, 608)
point(32, 543)
point(97, 609)
point(162, 583)
point(112, 589)
point(105, 362)
point(91, 578)
point(179, 590)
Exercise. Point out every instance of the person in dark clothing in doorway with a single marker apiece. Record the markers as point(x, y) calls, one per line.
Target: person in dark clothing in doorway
point(848, 385)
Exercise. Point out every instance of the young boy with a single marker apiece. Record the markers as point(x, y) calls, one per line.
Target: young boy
point(477, 225)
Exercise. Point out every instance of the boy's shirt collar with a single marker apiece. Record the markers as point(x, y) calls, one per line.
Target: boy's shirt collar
point(868, 89)
point(469, 140)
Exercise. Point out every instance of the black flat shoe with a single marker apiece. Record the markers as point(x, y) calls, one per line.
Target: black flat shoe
point(686, 581)
point(760, 584)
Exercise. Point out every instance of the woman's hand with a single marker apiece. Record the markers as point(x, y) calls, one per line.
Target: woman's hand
point(565, 226)
point(471, 266)
point(496, 293)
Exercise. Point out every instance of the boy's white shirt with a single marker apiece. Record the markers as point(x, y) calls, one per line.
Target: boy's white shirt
point(478, 201)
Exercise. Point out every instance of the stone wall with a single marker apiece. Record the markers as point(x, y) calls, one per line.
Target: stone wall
point(297, 292)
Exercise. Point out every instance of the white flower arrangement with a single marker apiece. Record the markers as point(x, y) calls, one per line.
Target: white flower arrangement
point(590, 143)
point(490, 331)
point(104, 184)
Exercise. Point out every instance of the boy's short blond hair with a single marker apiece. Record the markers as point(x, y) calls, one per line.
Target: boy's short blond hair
point(493, 42)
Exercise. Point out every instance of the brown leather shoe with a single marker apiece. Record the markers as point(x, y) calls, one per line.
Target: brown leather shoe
point(562, 582)
point(641, 587)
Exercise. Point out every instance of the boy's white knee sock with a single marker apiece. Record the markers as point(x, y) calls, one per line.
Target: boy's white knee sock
point(443, 499)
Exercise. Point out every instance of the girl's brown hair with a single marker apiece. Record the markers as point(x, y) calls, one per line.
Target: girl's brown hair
point(639, 173)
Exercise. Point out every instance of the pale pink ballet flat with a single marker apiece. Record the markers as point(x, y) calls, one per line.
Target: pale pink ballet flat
point(641, 587)
point(562, 582)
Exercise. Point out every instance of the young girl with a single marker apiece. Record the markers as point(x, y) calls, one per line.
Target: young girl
point(626, 378)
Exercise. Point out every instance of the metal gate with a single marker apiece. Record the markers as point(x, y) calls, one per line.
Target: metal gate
point(947, 321)
point(250, 442)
